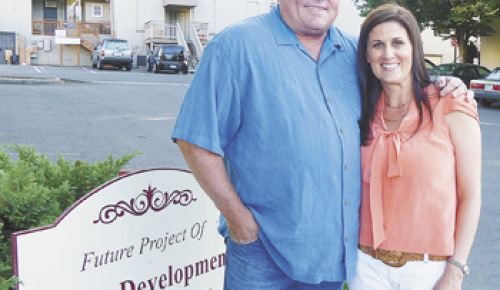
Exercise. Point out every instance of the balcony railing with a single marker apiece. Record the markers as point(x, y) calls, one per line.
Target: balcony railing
point(202, 30)
point(48, 27)
point(45, 27)
point(159, 30)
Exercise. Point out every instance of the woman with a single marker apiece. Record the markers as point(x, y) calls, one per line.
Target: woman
point(421, 161)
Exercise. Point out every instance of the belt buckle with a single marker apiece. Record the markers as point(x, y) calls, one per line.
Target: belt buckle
point(391, 258)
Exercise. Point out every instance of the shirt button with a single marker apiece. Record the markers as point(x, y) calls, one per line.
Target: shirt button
point(329, 99)
point(346, 203)
point(346, 167)
point(346, 239)
point(341, 131)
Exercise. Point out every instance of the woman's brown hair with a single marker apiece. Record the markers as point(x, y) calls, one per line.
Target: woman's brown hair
point(369, 84)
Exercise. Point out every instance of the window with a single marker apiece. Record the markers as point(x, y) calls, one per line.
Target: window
point(482, 71)
point(467, 72)
point(494, 75)
point(116, 44)
point(74, 11)
point(97, 10)
point(51, 4)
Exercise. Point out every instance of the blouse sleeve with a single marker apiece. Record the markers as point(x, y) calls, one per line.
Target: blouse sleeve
point(461, 104)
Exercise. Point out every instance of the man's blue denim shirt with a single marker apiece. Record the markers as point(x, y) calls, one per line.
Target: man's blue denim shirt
point(287, 128)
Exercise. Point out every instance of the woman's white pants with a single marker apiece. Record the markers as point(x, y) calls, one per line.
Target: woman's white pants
point(373, 274)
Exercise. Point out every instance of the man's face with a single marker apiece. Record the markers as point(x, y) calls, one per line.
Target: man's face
point(309, 17)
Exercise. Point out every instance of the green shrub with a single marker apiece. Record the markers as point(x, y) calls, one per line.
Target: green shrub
point(34, 191)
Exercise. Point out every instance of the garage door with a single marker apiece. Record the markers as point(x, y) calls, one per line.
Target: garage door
point(7, 40)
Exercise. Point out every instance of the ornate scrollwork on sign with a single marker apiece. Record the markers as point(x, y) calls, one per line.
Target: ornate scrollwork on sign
point(149, 199)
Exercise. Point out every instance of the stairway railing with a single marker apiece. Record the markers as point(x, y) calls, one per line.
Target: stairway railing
point(181, 40)
point(198, 47)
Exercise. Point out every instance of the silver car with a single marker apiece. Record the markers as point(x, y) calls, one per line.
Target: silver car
point(487, 90)
point(114, 52)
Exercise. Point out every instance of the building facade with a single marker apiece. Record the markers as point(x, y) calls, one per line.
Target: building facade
point(15, 24)
point(490, 51)
point(65, 32)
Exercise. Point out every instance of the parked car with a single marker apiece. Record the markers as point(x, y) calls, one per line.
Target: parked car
point(466, 72)
point(487, 90)
point(429, 65)
point(167, 57)
point(114, 52)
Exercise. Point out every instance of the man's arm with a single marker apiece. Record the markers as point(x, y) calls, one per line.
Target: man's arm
point(210, 172)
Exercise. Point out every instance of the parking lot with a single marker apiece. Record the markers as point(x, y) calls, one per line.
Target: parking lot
point(96, 113)
point(138, 75)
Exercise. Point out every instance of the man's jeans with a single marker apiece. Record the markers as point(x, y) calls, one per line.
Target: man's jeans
point(249, 267)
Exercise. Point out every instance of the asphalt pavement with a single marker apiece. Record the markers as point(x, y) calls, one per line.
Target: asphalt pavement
point(83, 113)
point(138, 76)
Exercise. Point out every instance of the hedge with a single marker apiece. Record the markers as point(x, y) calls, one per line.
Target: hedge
point(34, 191)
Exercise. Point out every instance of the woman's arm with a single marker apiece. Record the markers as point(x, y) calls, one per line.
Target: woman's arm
point(466, 137)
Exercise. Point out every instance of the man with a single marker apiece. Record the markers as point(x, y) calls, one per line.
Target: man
point(269, 129)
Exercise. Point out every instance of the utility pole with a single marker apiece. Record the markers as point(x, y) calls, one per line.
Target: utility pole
point(214, 17)
point(112, 17)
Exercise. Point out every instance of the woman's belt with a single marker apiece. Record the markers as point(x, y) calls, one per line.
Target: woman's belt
point(397, 258)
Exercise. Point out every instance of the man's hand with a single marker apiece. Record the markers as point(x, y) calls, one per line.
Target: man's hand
point(455, 87)
point(210, 172)
point(244, 230)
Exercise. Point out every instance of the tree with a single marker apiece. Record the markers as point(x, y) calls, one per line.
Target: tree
point(460, 19)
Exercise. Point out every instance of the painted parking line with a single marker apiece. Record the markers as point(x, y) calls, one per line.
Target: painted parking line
point(140, 83)
point(160, 118)
point(89, 70)
point(489, 124)
point(38, 70)
point(493, 162)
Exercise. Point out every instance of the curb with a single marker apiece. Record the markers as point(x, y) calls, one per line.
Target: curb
point(29, 80)
point(20, 80)
point(12, 80)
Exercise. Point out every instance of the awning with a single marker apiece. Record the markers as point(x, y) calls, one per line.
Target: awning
point(185, 3)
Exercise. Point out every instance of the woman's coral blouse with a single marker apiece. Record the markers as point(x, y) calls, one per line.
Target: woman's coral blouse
point(409, 181)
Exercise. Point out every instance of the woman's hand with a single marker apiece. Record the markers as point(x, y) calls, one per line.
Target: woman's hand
point(451, 280)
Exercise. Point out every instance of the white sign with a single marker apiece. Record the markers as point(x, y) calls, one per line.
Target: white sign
point(60, 38)
point(60, 33)
point(149, 230)
point(67, 40)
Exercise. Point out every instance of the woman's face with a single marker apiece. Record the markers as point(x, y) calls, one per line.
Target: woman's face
point(390, 53)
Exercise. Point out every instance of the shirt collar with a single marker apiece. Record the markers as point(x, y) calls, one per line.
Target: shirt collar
point(284, 35)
